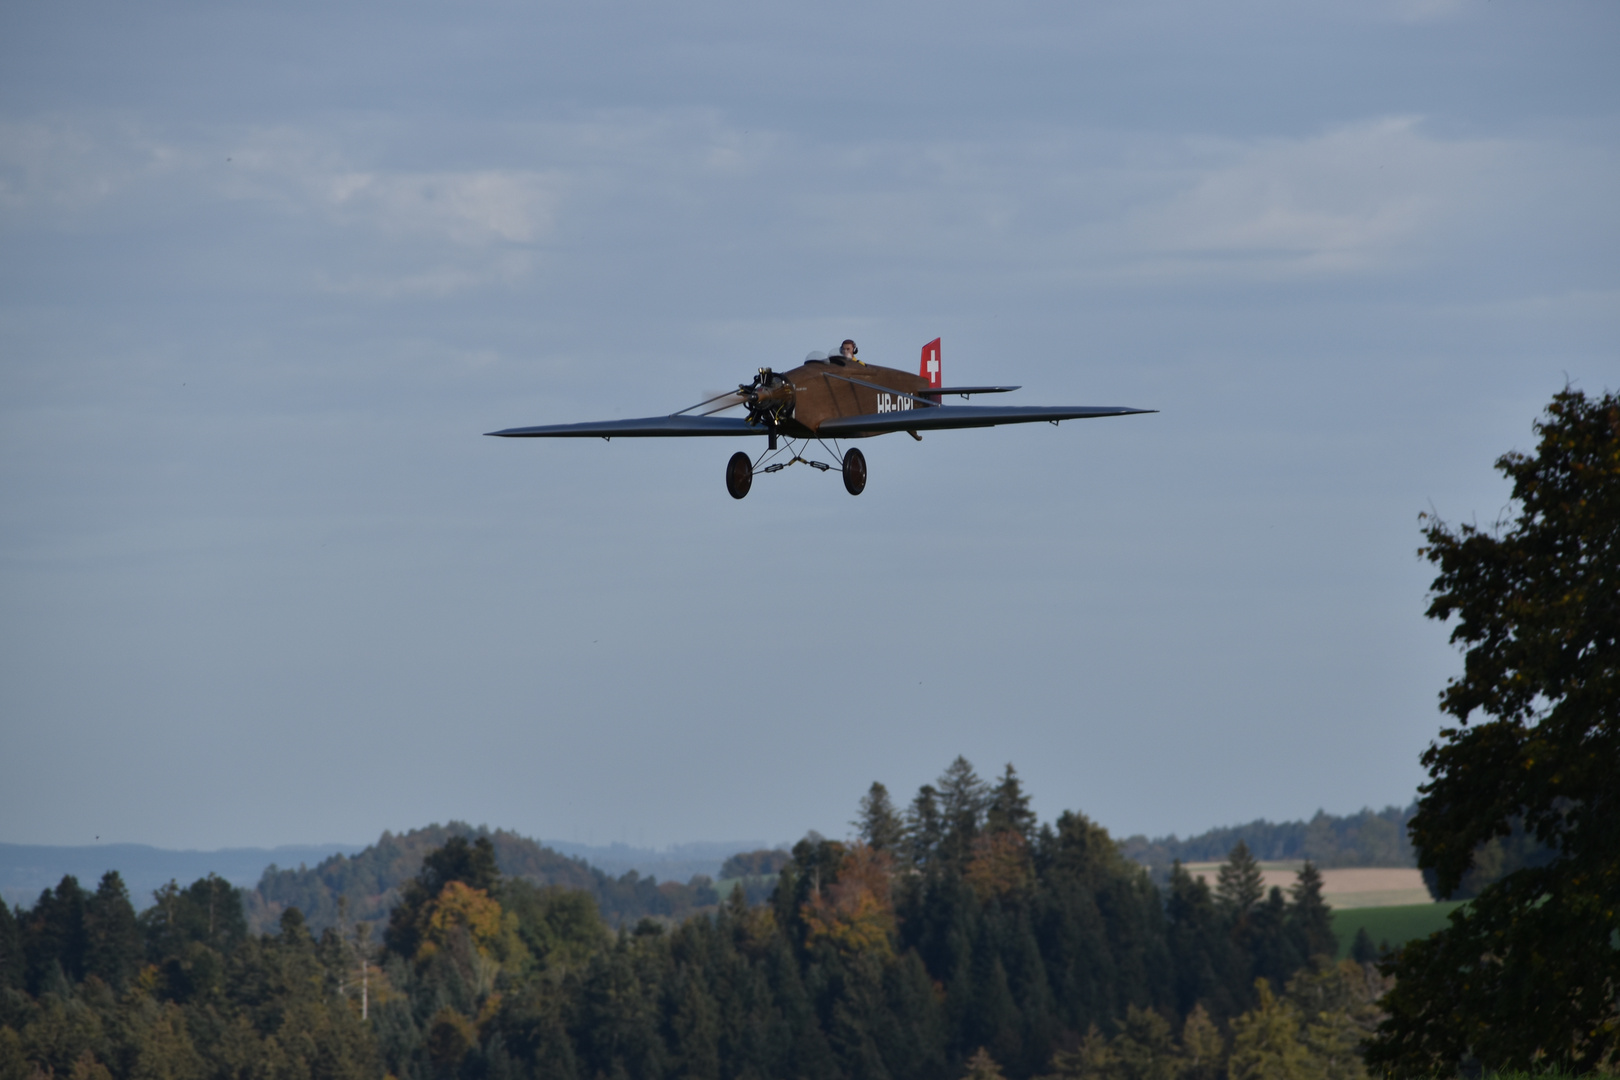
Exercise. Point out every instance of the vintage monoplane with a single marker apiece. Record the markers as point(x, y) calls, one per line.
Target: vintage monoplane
point(827, 397)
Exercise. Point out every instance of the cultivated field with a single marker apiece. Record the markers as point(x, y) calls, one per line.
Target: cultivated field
point(1344, 888)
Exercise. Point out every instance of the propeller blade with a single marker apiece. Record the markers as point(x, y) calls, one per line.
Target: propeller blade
point(709, 401)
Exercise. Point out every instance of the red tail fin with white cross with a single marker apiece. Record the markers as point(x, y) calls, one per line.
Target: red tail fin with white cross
point(930, 368)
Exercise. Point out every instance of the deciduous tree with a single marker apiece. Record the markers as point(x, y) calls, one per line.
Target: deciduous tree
point(1526, 975)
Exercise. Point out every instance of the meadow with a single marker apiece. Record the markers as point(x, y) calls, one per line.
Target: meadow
point(1396, 925)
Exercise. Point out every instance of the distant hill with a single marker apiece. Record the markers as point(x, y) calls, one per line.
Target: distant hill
point(1370, 838)
point(678, 862)
point(373, 879)
point(28, 869)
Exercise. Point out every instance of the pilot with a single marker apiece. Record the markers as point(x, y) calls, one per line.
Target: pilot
point(848, 350)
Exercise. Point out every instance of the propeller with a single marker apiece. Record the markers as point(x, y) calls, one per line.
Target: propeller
point(719, 403)
point(748, 394)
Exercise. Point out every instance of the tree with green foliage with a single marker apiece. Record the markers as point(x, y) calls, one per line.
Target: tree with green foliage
point(473, 865)
point(1203, 1050)
point(981, 1066)
point(1009, 810)
point(53, 936)
point(879, 825)
point(1309, 916)
point(1525, 976)
point(925, 828)
point(963, 800)
point(114, 950)
point(1266, 1043)
point(1209, 968)
point(12, 967)
point(1240, 884)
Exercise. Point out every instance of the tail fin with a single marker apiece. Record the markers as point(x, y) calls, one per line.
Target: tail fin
point(930, 368)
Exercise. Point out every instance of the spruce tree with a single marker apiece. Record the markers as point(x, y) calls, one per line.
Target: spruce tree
point(113, 945)
point(981, 1066)
point(1240, 884)
point(1208, 967)
point(1009, 807)
point(924, 828)
point(1203, 1050)
point(1266, 1043)
point(963, 800)
point(11, 957)
point(1144, 1048)
point(879, 826)
point(1310, 919)
point(53, 934)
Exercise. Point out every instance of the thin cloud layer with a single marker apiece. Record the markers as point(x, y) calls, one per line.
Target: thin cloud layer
point(267, 273)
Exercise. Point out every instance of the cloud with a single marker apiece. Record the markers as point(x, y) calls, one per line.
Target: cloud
point(600, 191)
point(1348, 201)
point(55, 171)
point(304, 173)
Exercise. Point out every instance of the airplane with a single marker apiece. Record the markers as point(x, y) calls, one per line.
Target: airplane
point(829, 396)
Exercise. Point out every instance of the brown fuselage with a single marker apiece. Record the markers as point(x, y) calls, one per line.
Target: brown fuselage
point(821, 390)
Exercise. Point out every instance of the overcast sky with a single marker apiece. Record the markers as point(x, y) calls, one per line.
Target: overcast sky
point(268, 271)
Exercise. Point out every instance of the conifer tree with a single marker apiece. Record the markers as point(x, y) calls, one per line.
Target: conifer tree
point(1309, 916)
point(11, 956)
point(981, 1066)
point(963, 800)
point(1144, 1049)
point(1009, 807)
point(113, 945)
point(1265, 934)
point(1092, 1060)
point(925, 830)
point(1240, 884)
point(1208, 966)
point(53, 934)
point(1266, 1043)
point(879, 826)
point(1203, 1049)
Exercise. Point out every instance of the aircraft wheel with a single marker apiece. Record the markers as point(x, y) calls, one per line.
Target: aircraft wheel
point(739, 474)
point(854, 471)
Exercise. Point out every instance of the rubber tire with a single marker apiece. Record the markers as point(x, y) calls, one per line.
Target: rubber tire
point(739, 474)
point(854, 471)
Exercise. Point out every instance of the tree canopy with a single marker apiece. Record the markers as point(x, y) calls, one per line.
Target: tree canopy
point(975, 940)
point(1527, 975)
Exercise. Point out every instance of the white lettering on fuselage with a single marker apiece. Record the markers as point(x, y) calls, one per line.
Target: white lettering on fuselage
point(894, 403)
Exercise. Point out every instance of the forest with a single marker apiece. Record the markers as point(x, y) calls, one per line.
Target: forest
point(954, 936)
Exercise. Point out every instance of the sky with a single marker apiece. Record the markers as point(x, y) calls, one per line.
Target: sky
point(269, 271)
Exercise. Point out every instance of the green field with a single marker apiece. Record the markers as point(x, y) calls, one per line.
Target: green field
point(1396, 925)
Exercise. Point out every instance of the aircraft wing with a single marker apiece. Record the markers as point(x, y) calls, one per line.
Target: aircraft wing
point(942, 417)
point(645, 427)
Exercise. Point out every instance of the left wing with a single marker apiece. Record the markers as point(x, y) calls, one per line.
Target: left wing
point(645, 427)
point(940, 417)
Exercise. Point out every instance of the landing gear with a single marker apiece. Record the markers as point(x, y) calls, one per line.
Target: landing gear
point(854, 472)
point(740, 474)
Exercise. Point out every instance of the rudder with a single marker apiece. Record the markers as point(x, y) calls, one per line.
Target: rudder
point(930, 368)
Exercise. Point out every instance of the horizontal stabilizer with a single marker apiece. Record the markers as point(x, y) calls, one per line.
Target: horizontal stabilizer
point(645, 427)
point(942, 417)
point(964, 391)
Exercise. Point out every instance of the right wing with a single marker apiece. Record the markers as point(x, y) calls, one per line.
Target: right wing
point(941, 417)
point(645, 427)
